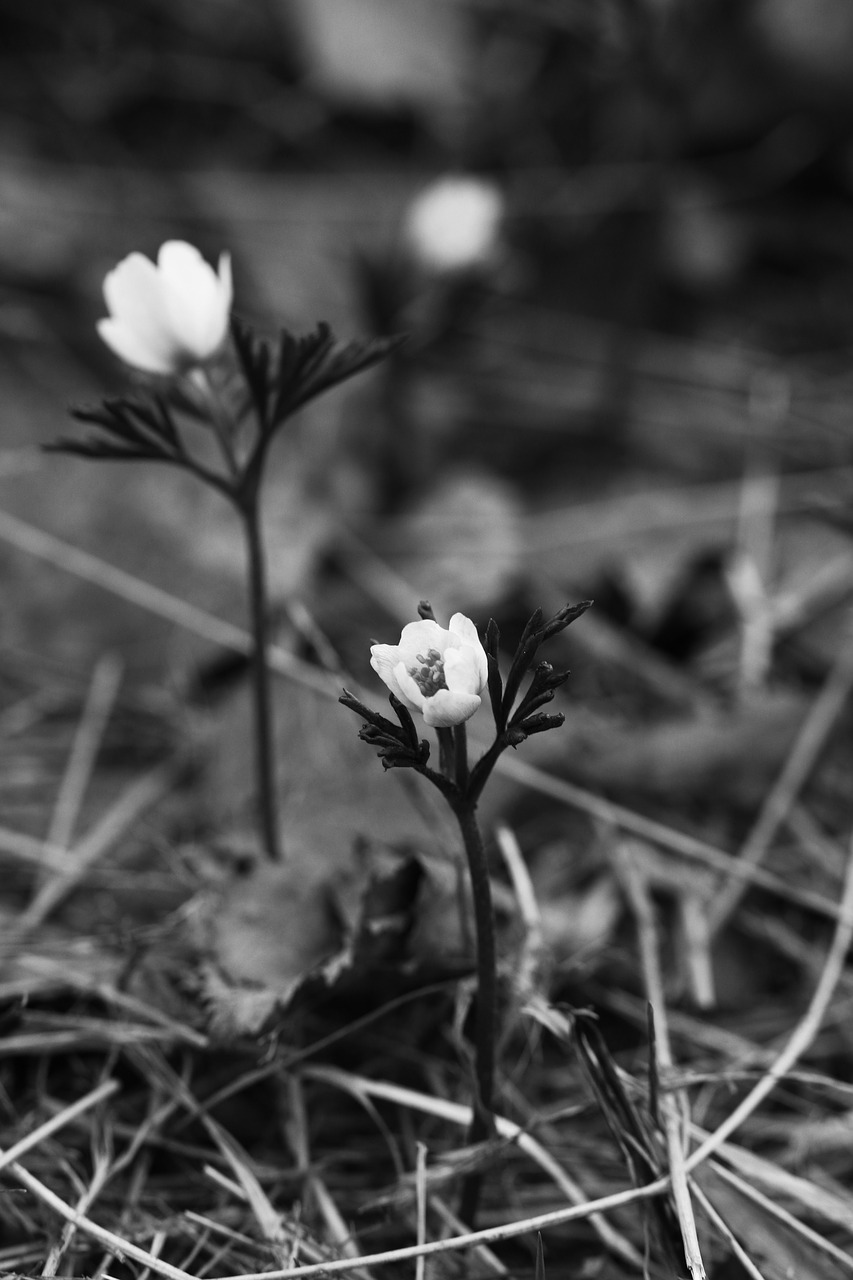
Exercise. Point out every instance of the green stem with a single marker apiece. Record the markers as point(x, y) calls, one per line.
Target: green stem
point(460, 742)
point(446, 753)
point(264, 731)
point(482, 1125)
point(222, 425)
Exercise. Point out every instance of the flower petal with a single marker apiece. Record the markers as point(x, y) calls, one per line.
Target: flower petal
point(461, 670)
point(410, 691)
point(384, 658)
point(419, 637)
point(464, 627)
point(447, 708)
point(134, 299)
point(195, 301)
point(130, 347)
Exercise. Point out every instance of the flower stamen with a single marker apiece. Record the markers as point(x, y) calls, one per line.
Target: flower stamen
point(429, 676)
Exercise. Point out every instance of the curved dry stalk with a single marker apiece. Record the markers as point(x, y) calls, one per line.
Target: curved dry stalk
point(814, 731)
point(145, 595)
point(728, 1235)
point(490, 1235)
point(658, 833)
point(674, 1110)
point(59, 1121)
point(803, 1034)
point(94, 717)
point(116, 1244)
point(461, 1114)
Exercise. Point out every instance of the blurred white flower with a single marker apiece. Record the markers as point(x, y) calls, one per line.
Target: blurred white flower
point(454, 225)
point(169, 317)
point(440, 673)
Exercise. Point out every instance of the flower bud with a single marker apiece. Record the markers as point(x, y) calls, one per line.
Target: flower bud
point(453, 226)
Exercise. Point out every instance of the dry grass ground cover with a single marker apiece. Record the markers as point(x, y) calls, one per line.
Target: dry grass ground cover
point(214, 1069)
point(213, 1064)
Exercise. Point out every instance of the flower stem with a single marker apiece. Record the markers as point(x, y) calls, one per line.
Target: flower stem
point(482, 1125)
point(460, 742)
point(264, 733)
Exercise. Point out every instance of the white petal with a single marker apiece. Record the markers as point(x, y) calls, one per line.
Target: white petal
point(194, 299)
point(226, 282)
point(420, 637)
point(410, 692)
point(461, 670)
point(464, 627)
point(134, 299)
point(130, 347)
point(447, 708)
point(384, 658)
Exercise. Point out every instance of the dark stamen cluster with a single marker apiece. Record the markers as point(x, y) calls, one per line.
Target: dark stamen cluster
point(429, 676)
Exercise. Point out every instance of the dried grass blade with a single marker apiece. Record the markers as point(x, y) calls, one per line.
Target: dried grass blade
point(810, 740)
point(94, 718)
point(673, 1106)
point(461, 1114)
point(803, 1034)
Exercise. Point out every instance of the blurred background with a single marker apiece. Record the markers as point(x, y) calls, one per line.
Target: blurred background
point(655, 344)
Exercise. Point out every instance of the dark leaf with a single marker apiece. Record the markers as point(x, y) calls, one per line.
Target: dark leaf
point(566, 616)
point(493, 639)
point(542, 688)
point(532, 637)
point(283, 374)
point(313, 365)
point(539, 724)
point(125, 428)
point(408, 726)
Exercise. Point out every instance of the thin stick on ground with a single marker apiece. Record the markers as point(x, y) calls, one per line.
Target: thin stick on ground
point(460, 1114)
point(507, 1231)
point(775, 1210)
point(673, 1106)
point(803, 1034)
point(298, 1239)
point(154, 600)
point(453, 1223)
point(141, 795)
point(94, 717)
point(421, 1203)
point(810, 740)
point(57, 1122)
point(687, 846)
point(115, 1243)
point(527, 969)
point(100, 1175)
point(728, 1235)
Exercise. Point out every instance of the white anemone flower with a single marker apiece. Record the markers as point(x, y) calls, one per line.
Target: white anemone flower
point(168, 317)
point(440, 673)
point(454, 225)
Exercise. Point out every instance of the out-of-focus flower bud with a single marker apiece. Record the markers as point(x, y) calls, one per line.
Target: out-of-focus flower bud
point(454, 225)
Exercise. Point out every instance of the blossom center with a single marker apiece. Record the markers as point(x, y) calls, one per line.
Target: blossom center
point(429, 675)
